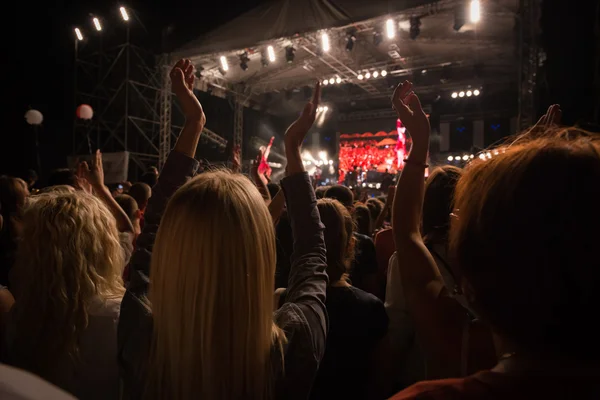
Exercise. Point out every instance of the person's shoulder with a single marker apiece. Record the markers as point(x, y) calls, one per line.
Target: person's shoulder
point(16, 384)
point(366, 297)
point(446, 389)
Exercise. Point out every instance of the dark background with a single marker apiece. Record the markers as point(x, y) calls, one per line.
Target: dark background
point(37, 63)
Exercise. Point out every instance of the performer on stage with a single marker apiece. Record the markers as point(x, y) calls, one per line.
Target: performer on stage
point(264, 167)
point(400, 144)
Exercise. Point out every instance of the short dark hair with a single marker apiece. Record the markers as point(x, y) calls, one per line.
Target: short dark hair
point(437, 202)
point(375, 207)
point(141, 193)
point(149, 178)
point(362, 218)
point(128, 204)
point(320, 191)
point(341, 194)
point(61, 176)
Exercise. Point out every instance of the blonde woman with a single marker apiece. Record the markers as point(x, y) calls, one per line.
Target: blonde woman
point(203, 325)
point(68, 290)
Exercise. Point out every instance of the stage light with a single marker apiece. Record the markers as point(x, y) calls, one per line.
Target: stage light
point(475, 11)
point(488, 154)
point(383, 72)
point(124, 14)
point(289, 54)
point(331, 81)
point(375, 74)
point(476, 92)
point(78, 33)
point(97, 24)
point(465, 157)
point(450, 158)
point(495, 152)
point(482, 156)
point(224, 65)
point(377, 185)
point(461, 94)
point(457, 158)
point(377, 39)
point(325, 42)
point(338, 80)
point(415, 27)
point(368, 75)
point(325, 108)
point(325, 82)
point(350, 42)
point(360, 77)
point(454, 95)
point(244, 60)
point(271, 53)
point(330, 162)
point(469, 93)
point(319, 109)
point(390, 28)
point(471, 156)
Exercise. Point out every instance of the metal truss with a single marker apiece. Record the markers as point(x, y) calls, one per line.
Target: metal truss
point(165, 114)
point(238, 123)
point(529, 60)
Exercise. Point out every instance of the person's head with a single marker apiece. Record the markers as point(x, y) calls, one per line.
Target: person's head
point(525, 242)
point(437, 202)
point(362, 218)
point(341, 194)
point(141, 192)
point(375, 207)
point(130, 206)
point(58, 189)
point(211, 291)
point(30, 177)
point(273, 189)
point(320, 191)
point(150, 178)
point(13, 195)
point(339, 240)
point(61, 176)
point(69, 259)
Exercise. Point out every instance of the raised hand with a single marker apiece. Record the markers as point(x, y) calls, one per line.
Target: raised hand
point(95, 175)
point(407, 105)
point(182, 82)
point(236, 164)
point(295, 134)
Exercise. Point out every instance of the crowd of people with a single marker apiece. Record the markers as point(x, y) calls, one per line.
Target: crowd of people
point(474, 283)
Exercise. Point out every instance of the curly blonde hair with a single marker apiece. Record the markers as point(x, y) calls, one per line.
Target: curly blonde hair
point(70, 257)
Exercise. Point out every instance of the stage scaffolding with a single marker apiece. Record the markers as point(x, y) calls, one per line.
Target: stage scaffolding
point(129, 89)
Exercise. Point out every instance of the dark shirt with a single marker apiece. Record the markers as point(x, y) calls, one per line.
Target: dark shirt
point(365, 262)
point(303, 317)
point(357, 323)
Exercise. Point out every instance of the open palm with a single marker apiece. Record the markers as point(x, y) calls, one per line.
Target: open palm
point(182, 81)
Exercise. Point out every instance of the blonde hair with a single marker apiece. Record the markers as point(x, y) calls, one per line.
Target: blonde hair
point(211, 293)
point(69, 257)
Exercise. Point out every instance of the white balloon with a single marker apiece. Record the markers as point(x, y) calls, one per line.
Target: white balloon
point(34, 117)
point(85, 112)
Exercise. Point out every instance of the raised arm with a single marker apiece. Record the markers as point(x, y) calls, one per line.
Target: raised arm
point(307, 281)
point(259, 178)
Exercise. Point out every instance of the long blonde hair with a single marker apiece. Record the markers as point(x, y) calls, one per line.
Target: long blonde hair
point(69, 256)
point(211, 293)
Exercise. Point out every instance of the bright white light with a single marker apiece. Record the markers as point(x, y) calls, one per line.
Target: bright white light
point(78, 33)
point(471, 156)
point(124, 14)
point(476, 92)
point(325, 108)
point(454, 95)
point(475, 11)
point(325, 42)
point(383, 73)
point(364, 185)
point(323, 155)
point(488, 154)
point(325, 82)
point(496, 152)
point(319, 109)
point(457, 158)
point(482, 156)
point(461, 94)
point(375, 74)
point(370, 185)
point(465, 157)
point(271, 53)
point(368, 75)
point(224, 64)
point(360, 77)
point(338, 80)
point(97, 24)
point(469, 93)
point(390, 28)
point(330, 162)
point(332, 81)
point(450, 158)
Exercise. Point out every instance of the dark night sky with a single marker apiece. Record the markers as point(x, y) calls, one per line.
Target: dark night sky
point(37, 62)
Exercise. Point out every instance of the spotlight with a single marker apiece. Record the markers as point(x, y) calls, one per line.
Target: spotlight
point(338, 80)
point(454, 95)
point(457, 158)
point(271, 53)
point(325, 42)
point(390, 28)
point(78, 33)
point(415, 27)
point(224, 64)
point(383, 73)
point(124, 14)
point(350, 42)
point(325, 82)
point(469, 93)
point(368, 75)
point(377, 38)
point(475, 11)
point(450, 158)
point(465, 157)
point(97, 24)
point(244, 60)
point(461, 94)
point(289, 54)
point(360, 77)
point(330, 162)
point(319, 109)
point(375, 74)
point(471, 156)
point(476, 92)
point(488, 154)
point(325, 108)
point(331, 81)
point(482, 156)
